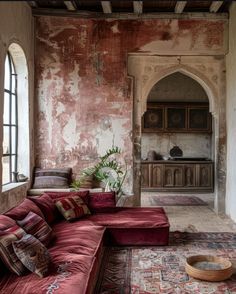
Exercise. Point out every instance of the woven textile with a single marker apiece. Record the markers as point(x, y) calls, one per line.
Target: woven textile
point(72, 208)
point(33, 254)
point(7, 253)
point(52, 178)
point(160, 269)
point(36, 226)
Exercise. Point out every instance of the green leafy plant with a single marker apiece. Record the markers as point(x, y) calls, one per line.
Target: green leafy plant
point(109, 171)
point(75, 185)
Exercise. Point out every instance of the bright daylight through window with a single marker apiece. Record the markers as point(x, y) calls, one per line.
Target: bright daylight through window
point(10, 130)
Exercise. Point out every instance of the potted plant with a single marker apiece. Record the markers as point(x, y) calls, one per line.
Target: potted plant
point(109, 171)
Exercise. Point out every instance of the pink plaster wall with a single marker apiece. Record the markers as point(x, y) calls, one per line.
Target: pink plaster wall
point(83, 94)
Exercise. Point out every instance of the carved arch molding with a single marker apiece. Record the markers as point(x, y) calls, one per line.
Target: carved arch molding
point(209, 72)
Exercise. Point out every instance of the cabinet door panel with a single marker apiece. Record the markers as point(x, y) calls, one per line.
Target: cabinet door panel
point(190, 175)
point(145, 176)
point(157, 175)
point(205, 175)
point(174, 176)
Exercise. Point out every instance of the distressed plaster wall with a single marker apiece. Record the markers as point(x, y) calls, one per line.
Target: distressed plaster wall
point(231, 116)
point(84, 97)
point(16, 26)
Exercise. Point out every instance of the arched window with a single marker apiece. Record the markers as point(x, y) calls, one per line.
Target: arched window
point(10, 122)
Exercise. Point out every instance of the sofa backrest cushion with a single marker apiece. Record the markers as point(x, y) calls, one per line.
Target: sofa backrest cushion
point(84, 195)
point(19, 212)
point(102, 201)
point(52, 178)
point(34, 225)
point(47, 206)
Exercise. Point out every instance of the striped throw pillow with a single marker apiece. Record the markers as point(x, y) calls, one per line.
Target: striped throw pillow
point(34, 225)
point(33, 254)
point(7, 254)
point(72, 207)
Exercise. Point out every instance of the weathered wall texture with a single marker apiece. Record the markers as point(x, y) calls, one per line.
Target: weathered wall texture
point(16, 26)
point(231, 116)
point(83, 93)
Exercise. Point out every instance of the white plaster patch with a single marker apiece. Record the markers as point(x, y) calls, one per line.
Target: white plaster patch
point(69, 132)
point(60, 108)
point(115, 29)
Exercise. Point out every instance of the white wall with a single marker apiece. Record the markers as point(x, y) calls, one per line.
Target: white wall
point(231, 117)
point(16, 26)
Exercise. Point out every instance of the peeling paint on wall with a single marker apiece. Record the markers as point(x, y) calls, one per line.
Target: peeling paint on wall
point(83, 93)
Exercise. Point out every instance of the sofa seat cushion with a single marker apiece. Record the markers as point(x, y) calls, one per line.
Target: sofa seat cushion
point(20, 211)
point(134, 226)
point(86, 238)
point(135, 217)
point(69, 273)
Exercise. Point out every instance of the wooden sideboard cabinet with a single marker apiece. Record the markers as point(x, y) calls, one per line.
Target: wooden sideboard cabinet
point(177, 176)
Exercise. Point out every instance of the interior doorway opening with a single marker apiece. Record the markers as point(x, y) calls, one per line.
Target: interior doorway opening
point(177, 143)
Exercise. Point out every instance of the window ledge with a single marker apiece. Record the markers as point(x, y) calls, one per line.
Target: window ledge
point(12, 186)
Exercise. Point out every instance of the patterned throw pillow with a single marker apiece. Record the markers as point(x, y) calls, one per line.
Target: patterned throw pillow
point(72, 207)
point(52, 178)
point(34, 225)
point(33, 254)
point(7, 253)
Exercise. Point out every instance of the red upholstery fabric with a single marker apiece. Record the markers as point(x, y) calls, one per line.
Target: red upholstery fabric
point(47, 206)
point(86, 238)
point(72, 207)
point(6, 222)
point(34, 225)
point(102, 202)
point(134, 226)
point(84, 195)
point(20, 211)
point(69, 273)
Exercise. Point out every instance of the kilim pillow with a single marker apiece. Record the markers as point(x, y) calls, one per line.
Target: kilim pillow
point(7, 253)
point(33, 254)
point(72, 207)
point(52, 178)
point(34, 225)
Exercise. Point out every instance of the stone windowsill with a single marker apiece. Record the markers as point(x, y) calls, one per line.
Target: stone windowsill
point(11, 186)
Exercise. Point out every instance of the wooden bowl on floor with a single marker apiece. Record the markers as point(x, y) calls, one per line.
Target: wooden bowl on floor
point(208, 268)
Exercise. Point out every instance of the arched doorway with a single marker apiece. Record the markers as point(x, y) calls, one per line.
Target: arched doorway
point(191, 173)
point(146, 71)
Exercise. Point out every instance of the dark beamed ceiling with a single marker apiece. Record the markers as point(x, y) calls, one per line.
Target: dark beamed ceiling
point(96, 7)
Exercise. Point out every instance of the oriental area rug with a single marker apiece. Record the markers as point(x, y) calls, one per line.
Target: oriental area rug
point(152, 270)
point(176, 201)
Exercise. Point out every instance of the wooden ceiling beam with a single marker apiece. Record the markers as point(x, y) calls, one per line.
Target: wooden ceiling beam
point(179, 6)
point(106, 6)
point(32, 4)
point(215, 6)
point(138, 7)
point(70, 5)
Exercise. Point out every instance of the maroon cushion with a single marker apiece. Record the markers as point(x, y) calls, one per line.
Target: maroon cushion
point(102, 201)
point(34, 225)
point(47, 206)
point(19, 212)
point(84, 195)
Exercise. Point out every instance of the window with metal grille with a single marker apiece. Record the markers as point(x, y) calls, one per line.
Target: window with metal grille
point(10, 126)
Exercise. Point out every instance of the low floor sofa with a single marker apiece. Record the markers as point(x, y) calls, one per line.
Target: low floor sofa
point(77, 249)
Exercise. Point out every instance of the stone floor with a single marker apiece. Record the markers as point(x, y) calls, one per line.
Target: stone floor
point(194, 218)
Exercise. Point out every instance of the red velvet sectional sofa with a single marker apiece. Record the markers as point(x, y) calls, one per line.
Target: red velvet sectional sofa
point(77, 249)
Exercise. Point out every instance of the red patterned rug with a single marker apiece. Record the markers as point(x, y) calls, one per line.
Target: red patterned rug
point(176, 201)
point(153, 270)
